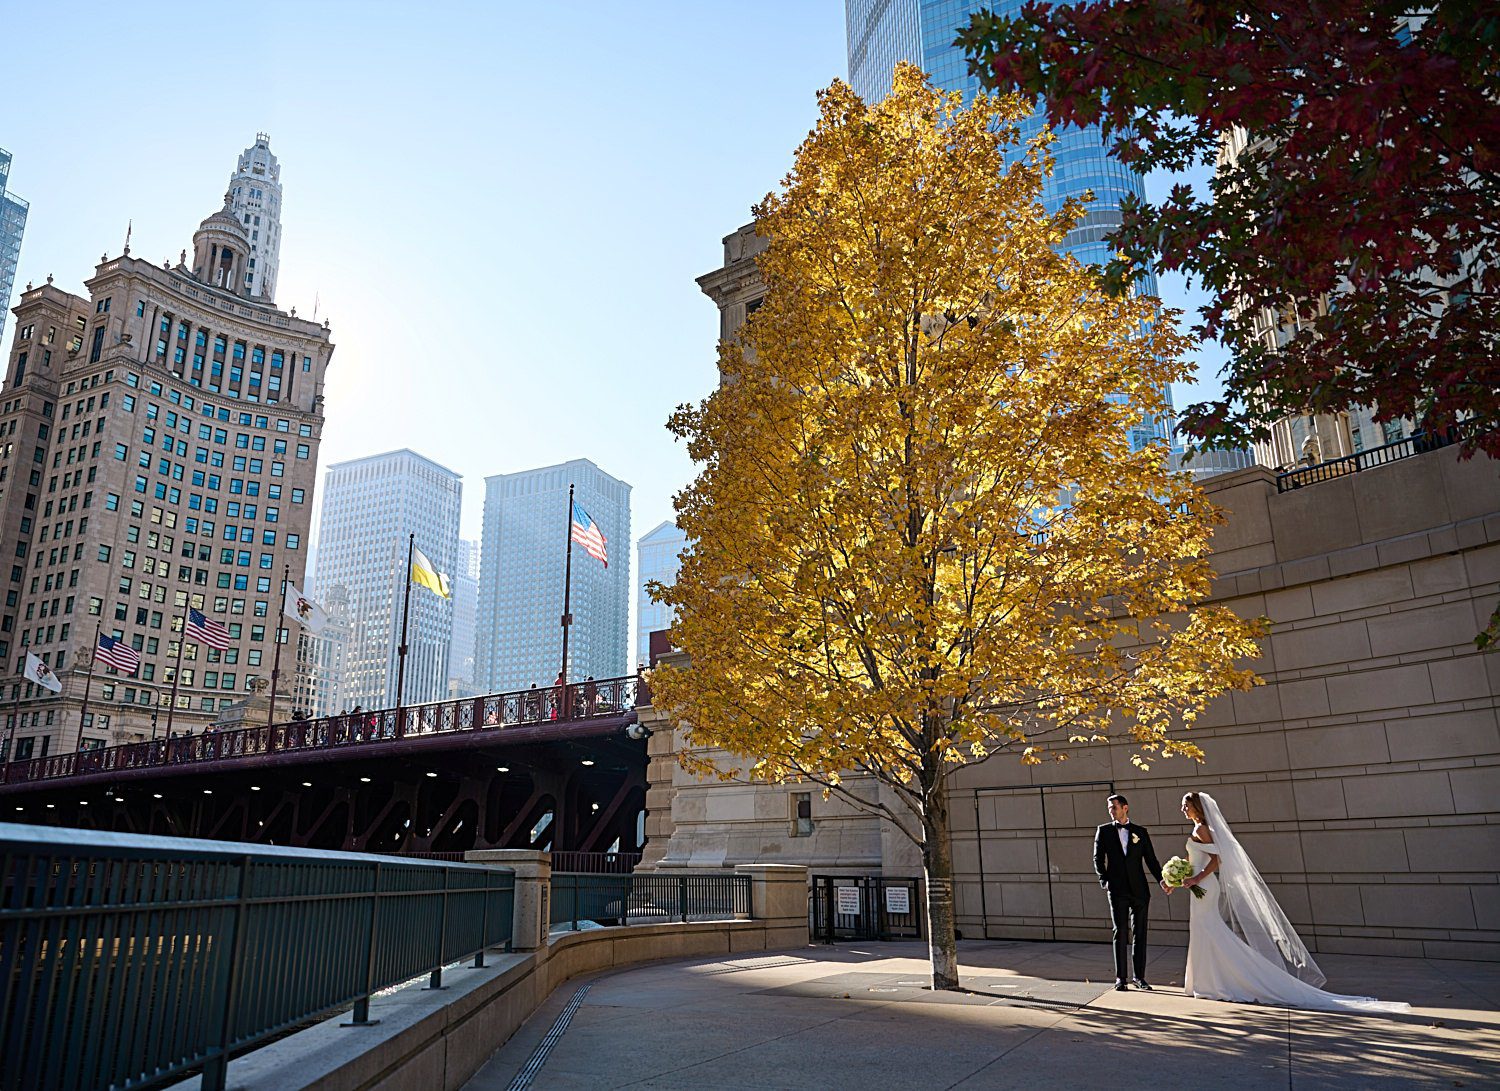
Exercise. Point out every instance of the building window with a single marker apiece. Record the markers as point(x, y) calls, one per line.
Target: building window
point(801, 814)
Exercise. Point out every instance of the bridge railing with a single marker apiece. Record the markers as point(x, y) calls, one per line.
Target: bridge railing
point(595, 863)
point(578, 702)
point(647, 898)
point(1418, 444)
point(129, 961)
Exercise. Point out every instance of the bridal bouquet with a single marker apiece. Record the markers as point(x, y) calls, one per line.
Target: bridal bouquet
point(1176, 871)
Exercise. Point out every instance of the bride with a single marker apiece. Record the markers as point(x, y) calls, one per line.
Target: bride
point(1241, 947)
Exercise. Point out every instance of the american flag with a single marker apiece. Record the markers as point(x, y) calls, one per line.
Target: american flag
point(205, 630)
point(113, 652)
point(586, 533)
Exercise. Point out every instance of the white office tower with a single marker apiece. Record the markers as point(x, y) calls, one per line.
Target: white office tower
point(465, 612)
point(658, 557)
point(255, 200)
point(370, 506)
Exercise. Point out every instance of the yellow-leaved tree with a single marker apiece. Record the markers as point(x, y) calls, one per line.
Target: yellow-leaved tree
point(922, 538)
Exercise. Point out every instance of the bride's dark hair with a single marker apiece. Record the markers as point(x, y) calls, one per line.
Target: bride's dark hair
point(1194, 801)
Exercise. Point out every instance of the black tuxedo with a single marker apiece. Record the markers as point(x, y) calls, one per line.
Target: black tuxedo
point(1122, 872)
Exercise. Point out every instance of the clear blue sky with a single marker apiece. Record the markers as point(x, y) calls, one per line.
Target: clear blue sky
point(501, 207)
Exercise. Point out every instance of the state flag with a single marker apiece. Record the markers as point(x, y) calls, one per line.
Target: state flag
point(41, 674)
point(304, 610)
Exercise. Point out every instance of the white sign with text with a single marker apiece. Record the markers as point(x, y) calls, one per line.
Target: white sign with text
point(848, 901)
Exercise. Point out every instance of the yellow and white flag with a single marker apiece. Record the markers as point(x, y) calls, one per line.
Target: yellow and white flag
point(426, 575)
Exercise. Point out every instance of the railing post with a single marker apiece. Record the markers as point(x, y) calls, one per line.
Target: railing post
point(531, 894)
point(484, 922)
point(778, 896)
point(435, 980)
point(361, 1014)
point(682, 898)
point(216, 1068)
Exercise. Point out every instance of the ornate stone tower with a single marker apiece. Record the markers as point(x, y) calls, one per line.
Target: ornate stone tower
point(255, 199)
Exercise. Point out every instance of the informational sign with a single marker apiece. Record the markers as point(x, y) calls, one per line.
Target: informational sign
point(848, 901)
point(897, 900)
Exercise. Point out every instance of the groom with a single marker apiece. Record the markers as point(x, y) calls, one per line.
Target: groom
point(1122, 856)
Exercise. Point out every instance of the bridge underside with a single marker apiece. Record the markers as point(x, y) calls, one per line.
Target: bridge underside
point(585, 793)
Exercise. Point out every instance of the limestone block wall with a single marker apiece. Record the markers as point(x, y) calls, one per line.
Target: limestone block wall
point(1363, 777)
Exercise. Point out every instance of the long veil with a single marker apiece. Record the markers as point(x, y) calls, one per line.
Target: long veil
point(1249, 905)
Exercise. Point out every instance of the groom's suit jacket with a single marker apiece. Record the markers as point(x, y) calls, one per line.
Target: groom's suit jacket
point(1122, 872)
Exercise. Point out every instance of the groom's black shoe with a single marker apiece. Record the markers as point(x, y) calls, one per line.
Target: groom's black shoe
point(1121, 987)
point(1140, 984)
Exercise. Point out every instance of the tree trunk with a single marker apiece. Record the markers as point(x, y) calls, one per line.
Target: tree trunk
point(938, 860)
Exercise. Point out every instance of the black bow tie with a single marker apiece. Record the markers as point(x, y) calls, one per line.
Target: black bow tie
point(1122, 825)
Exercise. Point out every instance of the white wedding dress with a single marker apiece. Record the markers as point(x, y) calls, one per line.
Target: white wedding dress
point(1222, 966)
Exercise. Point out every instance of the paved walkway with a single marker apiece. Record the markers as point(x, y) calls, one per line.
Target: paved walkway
point(1040, 1015)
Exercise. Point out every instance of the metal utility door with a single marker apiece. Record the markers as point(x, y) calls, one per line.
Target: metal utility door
point(1029, 865)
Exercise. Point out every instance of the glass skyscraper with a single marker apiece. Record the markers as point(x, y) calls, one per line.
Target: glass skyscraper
point(882, 32)
point(658, 557)
point(12, 225)
point(519, 639)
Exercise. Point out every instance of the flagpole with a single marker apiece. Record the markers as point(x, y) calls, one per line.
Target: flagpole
point(411, 545)
point(567, 614)
point(176, 674)
point(286, 578)
point(15, 726)
point(87, 686)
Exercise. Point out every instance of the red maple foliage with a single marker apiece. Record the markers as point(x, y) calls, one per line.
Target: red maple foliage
point(1364, 210)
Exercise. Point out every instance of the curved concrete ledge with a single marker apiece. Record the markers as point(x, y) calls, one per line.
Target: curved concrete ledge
point(438, 1039)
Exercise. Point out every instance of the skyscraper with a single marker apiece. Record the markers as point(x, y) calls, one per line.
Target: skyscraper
point(255, 200)
point(324, 657)
point(465, 616)
point(12, 227)
point(658, 557)
point(526, 532)
point(370, 506)
point(882, 32)
point(162, 438)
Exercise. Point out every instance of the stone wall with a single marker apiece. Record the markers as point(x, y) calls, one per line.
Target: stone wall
point(1363, 776)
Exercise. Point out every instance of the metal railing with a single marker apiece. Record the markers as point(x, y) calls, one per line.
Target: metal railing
point(127, 962)
point(576, 703)
point(862, 907)
point(647, 898)
point(1418, 444)
point(596, 863)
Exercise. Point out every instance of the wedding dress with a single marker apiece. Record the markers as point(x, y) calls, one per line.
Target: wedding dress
point(1259, 959)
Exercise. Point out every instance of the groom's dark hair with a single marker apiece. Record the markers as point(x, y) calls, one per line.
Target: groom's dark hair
point(1117, 798)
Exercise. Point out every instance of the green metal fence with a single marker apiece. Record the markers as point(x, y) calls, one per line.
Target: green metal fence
point(647, 898)
point(128, 961)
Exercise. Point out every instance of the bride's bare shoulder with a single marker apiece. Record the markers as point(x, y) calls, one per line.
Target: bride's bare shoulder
point(1203, 835)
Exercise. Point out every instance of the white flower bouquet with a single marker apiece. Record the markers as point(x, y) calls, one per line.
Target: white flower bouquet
point(1177, 871)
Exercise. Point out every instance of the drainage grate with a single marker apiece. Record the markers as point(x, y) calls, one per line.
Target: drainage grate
point(539, 1056)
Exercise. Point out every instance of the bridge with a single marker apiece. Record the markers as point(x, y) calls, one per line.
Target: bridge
point(559, 769)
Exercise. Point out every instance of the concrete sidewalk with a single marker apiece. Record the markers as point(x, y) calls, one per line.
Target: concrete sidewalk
point(1034, 1015)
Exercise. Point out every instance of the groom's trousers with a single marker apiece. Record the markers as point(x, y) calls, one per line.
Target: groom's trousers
point(1129, 917)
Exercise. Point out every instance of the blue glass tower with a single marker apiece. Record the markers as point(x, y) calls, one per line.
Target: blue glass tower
point(882, 32)
point(12, 226)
